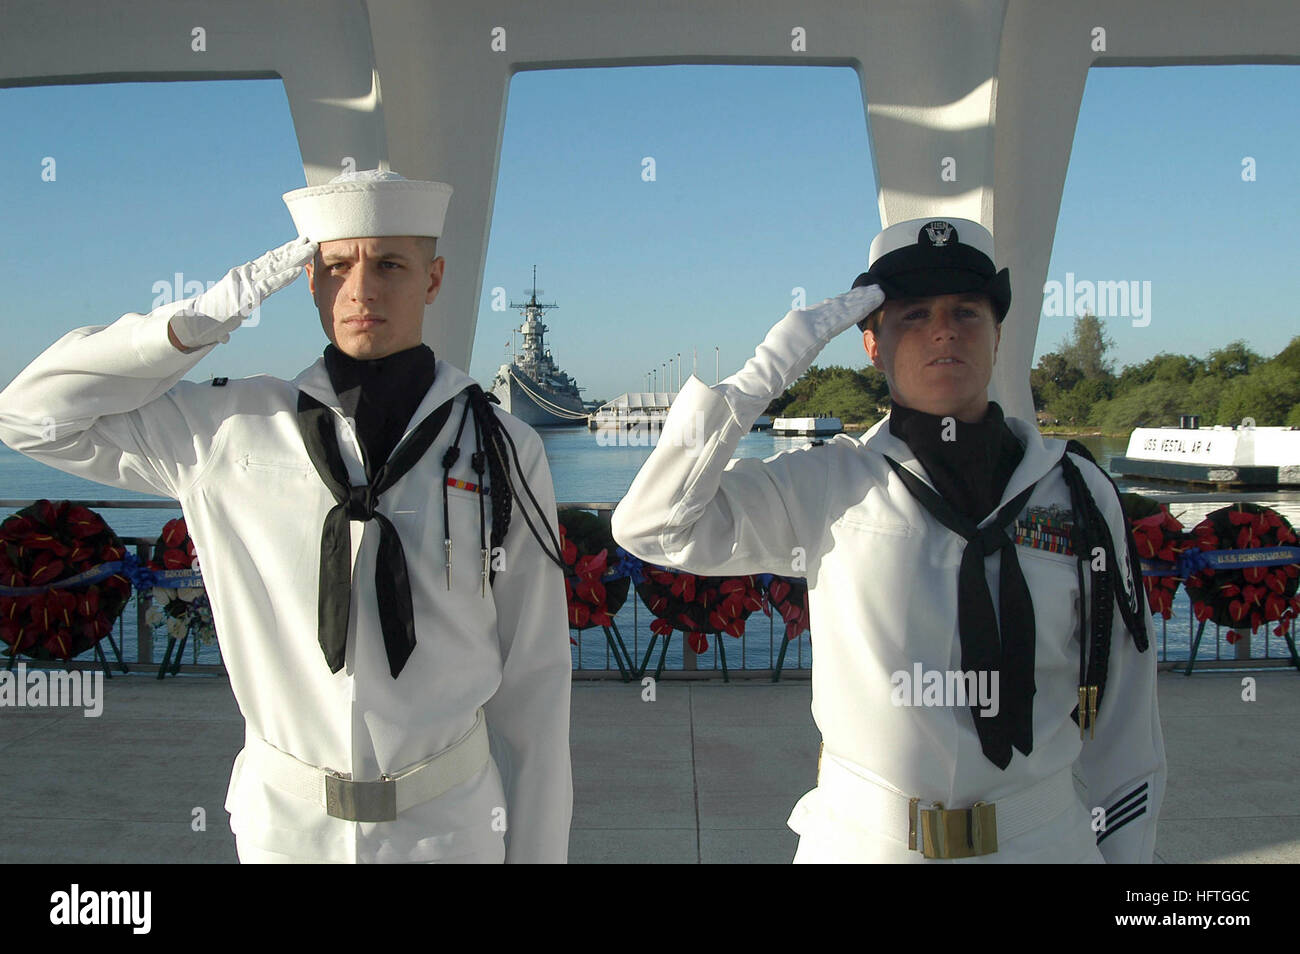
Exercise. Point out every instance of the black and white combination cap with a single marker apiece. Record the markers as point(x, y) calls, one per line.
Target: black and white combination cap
point(921, 258)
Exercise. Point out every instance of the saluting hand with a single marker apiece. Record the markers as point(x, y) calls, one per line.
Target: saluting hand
point(837, 314)
point(221, 309)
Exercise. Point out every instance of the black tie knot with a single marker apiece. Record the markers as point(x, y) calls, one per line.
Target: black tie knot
point(316, 423)
point(361, 503)
point(991, 539)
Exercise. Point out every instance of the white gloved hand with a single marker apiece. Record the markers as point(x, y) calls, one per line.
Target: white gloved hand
point(221, 309)
point(792, 344)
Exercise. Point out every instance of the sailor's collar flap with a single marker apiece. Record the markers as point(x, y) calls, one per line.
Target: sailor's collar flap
point(1039, 458)
point(448, 381)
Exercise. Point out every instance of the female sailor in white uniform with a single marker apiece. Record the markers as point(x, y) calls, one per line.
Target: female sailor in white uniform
point(958, 678)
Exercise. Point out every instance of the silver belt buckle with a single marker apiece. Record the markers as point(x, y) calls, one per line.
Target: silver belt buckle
point(360, 801)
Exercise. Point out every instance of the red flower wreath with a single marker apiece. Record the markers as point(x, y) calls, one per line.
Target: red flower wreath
point(585, 544)
point(698, 605)
point(1254, 594)
point(174, 550)
point(1159, 536)
point(789, 597)
point(42, 544)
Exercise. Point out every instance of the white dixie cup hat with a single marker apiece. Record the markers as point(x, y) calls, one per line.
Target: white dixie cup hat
point(369, 203)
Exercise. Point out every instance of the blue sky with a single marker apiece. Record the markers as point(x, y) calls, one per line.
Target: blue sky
point(763, 182)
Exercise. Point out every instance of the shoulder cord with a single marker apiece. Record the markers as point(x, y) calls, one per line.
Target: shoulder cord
point(478, 461)
point(1090, 532)
point(496, 439)
point(1130, 602)
point(449, 458)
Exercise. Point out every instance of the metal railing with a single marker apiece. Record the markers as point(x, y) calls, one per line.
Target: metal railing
point(745, 656)
point(753, 655)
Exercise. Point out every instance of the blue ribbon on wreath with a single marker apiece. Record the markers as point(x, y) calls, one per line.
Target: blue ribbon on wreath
point(1159, 568)
point(145, 577)
point(625, 564)
point(85, 578)
point(142, 577)
point(1193, 561)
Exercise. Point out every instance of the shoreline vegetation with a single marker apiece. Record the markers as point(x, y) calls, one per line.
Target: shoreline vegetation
point(1046, 429)
point(1077, 393)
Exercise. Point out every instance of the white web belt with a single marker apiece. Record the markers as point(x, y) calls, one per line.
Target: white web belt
point(932, 829)
point(378, 800)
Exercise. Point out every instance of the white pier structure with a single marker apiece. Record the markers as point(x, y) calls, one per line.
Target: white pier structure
point(633, 409)
point(807, 426)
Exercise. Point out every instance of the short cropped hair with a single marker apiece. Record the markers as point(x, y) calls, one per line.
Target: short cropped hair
point(872, 321)
point(428, 244)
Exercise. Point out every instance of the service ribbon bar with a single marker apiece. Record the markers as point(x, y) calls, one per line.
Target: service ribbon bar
point(1043, 535)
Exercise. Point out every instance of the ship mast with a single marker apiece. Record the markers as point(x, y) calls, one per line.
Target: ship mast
point(533, 329)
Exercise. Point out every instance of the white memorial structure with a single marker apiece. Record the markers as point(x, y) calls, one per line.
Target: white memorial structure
point(970, 104)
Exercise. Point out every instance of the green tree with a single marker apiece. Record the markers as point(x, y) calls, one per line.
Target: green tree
point(1075, 406)
point(1289, 357)
point(1052, 376)
point(1267, 394)
point(1232, 360)
point(1154, 404)
point(1163, 367)
point(1087, 346)
point(834, 392)
point(875, 383)
point(1202, 397)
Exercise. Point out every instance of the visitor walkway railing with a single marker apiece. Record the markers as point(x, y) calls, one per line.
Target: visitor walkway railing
point(753, 655)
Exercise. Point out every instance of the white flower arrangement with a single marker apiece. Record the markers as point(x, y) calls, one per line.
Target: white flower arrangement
point(180, 611)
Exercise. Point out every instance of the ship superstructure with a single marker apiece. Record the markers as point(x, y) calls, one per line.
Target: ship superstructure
point(532, 386)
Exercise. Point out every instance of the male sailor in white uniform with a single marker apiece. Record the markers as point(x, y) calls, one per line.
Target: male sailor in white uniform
point(395, 642)
point(956, 684)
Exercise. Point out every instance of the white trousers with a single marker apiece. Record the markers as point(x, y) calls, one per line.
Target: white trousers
point(250, 854)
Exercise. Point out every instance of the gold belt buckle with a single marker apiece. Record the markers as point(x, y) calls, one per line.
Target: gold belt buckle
point(952, 832)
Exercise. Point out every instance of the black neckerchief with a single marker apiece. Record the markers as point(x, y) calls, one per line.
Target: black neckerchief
point(970, 472)
point(380, 395)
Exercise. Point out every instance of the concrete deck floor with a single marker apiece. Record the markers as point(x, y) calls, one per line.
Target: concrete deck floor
point(706, 773)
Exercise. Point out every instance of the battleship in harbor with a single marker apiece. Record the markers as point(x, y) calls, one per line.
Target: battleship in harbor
point(531, 386)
